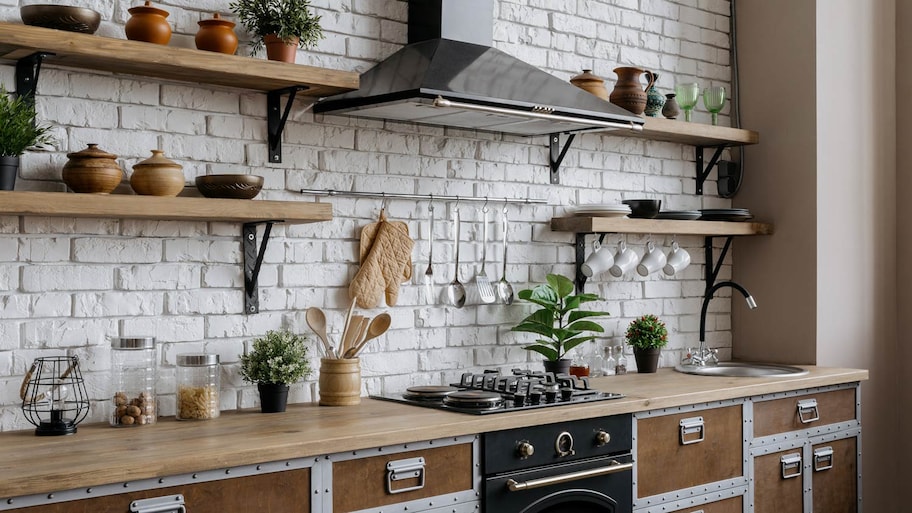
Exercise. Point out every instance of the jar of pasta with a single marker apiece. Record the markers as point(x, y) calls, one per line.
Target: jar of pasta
point(197, 386)
point(132, 381)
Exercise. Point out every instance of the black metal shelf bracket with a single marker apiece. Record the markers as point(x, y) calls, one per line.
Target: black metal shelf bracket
point(27, 70)
point(253, 260)
point(712, 265)
point(276, 117)
point(557, 154)
point(703, 172)
point(581, 278)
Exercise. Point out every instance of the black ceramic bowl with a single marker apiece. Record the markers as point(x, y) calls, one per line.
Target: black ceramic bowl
point(61, 17)
point(229, 186)
point(643, 208)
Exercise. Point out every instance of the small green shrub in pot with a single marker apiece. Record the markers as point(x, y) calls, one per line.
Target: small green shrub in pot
point(18, 132)
point(275, 360)
point(285, 19)
point(647, 335)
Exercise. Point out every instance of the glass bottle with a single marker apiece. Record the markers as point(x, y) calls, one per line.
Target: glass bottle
point(597, 362)
point(132, 381)
point(197, 386)
point(621, 361)
point(610, 362)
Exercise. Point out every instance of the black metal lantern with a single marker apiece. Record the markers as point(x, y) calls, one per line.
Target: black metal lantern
point(54, 396)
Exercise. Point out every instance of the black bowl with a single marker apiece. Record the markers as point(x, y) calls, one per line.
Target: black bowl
point(643, 208)
point(61, 17)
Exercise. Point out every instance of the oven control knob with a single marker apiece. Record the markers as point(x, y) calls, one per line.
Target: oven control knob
point(602, 438)
point(563, 446)
point(524, 449)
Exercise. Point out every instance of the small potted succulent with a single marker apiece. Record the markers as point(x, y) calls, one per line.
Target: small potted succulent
point(647, 335)
point(276, 360)
point(281, 25)
point(560, 322)
point(18, 132)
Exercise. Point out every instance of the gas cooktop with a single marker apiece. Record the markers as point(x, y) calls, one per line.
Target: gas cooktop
point(492, 392)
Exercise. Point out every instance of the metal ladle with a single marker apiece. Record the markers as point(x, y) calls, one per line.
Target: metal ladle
point(504, 289)
point(456, 293)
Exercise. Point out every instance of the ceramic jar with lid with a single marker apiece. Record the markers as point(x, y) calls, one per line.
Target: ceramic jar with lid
point(198, 384)
point(133, 369)
point(587, 81)
point(92, 170)
point(148, 24)
point(216, 35)
point(157, 176)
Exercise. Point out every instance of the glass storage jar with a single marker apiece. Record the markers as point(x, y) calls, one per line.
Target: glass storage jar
point(133, 381)
point(197, 386)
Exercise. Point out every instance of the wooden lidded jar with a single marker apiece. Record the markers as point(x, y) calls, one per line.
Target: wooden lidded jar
point(158, 176)
point(216, 35)
point(340, 381)
point(92, 170)
point(148, 24)
point(591, 83)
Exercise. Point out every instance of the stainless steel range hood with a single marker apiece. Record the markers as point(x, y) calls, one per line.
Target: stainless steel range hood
point(449, 75)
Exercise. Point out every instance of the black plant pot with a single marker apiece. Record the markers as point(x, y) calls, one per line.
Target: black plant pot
point(9, 168)
point(647, 359)
point(273, 397)
point(558, 366)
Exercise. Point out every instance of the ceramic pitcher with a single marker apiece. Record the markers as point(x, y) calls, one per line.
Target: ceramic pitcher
point(629, 92)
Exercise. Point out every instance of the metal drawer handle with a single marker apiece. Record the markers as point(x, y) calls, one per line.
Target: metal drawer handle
point(399, 470)
point(164, 504)
point(823, 458)
point(613, 468)
point(807, 411)
point(791, 465)
point(689, 427)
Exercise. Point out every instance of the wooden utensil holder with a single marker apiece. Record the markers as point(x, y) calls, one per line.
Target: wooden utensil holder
point(340, 381)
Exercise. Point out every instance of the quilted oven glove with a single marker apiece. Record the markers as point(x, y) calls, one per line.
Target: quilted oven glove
point(384, 267)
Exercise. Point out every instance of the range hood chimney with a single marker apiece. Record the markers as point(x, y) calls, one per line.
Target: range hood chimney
point(450, 75)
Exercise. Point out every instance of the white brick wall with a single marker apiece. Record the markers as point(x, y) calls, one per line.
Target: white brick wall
point(67, 284)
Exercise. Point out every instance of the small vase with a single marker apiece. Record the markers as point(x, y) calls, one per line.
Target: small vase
point(92, 170)
point(340, 381)
point(9, 168)
point(279, 50)
point(216, 35)
point(647, 359)
point(561, 366)
point(628, 92)
point(654, 99)
point(273, 397)
point(148, 24)
point(590, 83)
point(158, 176)
point(671, 109)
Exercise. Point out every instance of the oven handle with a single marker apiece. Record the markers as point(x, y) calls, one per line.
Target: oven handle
point(613, 468)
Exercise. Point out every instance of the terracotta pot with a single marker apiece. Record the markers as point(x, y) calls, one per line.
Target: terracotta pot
point(628, 92)
point(273, 397)
point(216, 35)
point(9, 169)
point(671, 109)
point(647, 359)
point(92, 170)
point(591, 83)
point(558, 366)
point(340, 381)
point(148, 24)
point(158, 176)
point(278, 50)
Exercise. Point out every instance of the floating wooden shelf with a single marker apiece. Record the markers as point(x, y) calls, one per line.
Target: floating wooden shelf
point(696, 134)
point(98, 53)
point(657, 226)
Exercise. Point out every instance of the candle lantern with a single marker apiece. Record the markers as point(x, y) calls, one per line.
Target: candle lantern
point(53, 395)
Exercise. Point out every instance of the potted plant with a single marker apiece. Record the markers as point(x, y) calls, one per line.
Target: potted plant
point(647, 335)
point(281, 25)
point(560, 321)
point(277, 359)
point(18, 132)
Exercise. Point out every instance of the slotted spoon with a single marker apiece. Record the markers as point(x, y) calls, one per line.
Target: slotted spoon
point(482, 283)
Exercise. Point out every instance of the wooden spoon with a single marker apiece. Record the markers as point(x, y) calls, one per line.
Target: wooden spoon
point(316, 319)
point(378, 326)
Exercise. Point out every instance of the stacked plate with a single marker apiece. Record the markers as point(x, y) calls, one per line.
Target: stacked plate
point(725, 214)
point(606, 210)
point(683, 215)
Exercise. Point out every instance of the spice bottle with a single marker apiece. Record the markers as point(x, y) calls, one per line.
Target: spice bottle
point(197, 386)
point(133, 372)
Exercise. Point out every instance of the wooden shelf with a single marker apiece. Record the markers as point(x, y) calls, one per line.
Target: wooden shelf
point(98, 53)
point(125, 206)
point(695, 134)
point(657, 226)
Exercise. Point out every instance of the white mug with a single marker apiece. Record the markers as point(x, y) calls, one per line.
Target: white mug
point(678, 259)
point(652, 260)
point(624, 260)
point(598, 262)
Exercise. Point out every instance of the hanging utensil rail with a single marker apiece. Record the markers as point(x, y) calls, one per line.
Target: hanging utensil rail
point(432, 197)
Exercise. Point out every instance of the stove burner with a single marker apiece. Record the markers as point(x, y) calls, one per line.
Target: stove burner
point(476, 399)
point(428, 393)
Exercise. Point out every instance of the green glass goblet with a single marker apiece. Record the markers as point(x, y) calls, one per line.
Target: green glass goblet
point(687, 96)
point(714, 100)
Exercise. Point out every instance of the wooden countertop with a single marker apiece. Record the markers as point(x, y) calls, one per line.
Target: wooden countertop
point(99, 454)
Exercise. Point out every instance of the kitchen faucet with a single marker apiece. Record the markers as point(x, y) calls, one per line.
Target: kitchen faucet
point(706, 356)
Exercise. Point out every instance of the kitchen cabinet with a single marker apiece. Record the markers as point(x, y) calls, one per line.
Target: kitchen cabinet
point(731, 505)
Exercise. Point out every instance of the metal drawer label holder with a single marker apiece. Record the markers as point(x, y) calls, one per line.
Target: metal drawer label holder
point(692, 430)
point(807, 411)
point(164, 504)
point(791, 465)
point(412, 468)
point(823, 458)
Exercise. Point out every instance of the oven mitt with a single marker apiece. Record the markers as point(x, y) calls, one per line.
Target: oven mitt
point(369, 232)
point(384, 267)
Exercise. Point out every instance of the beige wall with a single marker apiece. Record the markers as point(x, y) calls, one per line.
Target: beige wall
point(818, 83)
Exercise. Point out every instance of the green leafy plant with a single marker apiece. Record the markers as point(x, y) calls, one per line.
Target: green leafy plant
point(287, 19)
point(647, 332)
point(18, 130)
point(278, 357)
point(560, 321)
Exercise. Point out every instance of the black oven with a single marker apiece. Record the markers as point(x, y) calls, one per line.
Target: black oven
point(581, 466)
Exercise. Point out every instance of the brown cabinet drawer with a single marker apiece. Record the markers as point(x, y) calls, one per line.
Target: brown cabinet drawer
point(362, 483)
point(730, 505)
point(782, 415)
point(835, 489)
point(276, 492)
point(778, 484)
point(665, 464)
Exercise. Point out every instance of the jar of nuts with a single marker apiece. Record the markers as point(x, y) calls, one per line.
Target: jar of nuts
point(133, 369)
point(197, 386)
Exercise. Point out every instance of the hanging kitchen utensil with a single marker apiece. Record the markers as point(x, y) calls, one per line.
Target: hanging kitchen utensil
point(456, 294)
point(429, 296)
point(482, 283)
point(386, 251)
point(504, 289)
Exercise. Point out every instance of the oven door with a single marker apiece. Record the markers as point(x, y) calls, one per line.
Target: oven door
point(595, 485)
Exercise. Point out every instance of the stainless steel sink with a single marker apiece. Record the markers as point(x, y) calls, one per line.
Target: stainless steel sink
point(743, 370)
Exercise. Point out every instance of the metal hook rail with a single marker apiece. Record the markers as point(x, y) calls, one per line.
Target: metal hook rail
point(429, 197)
